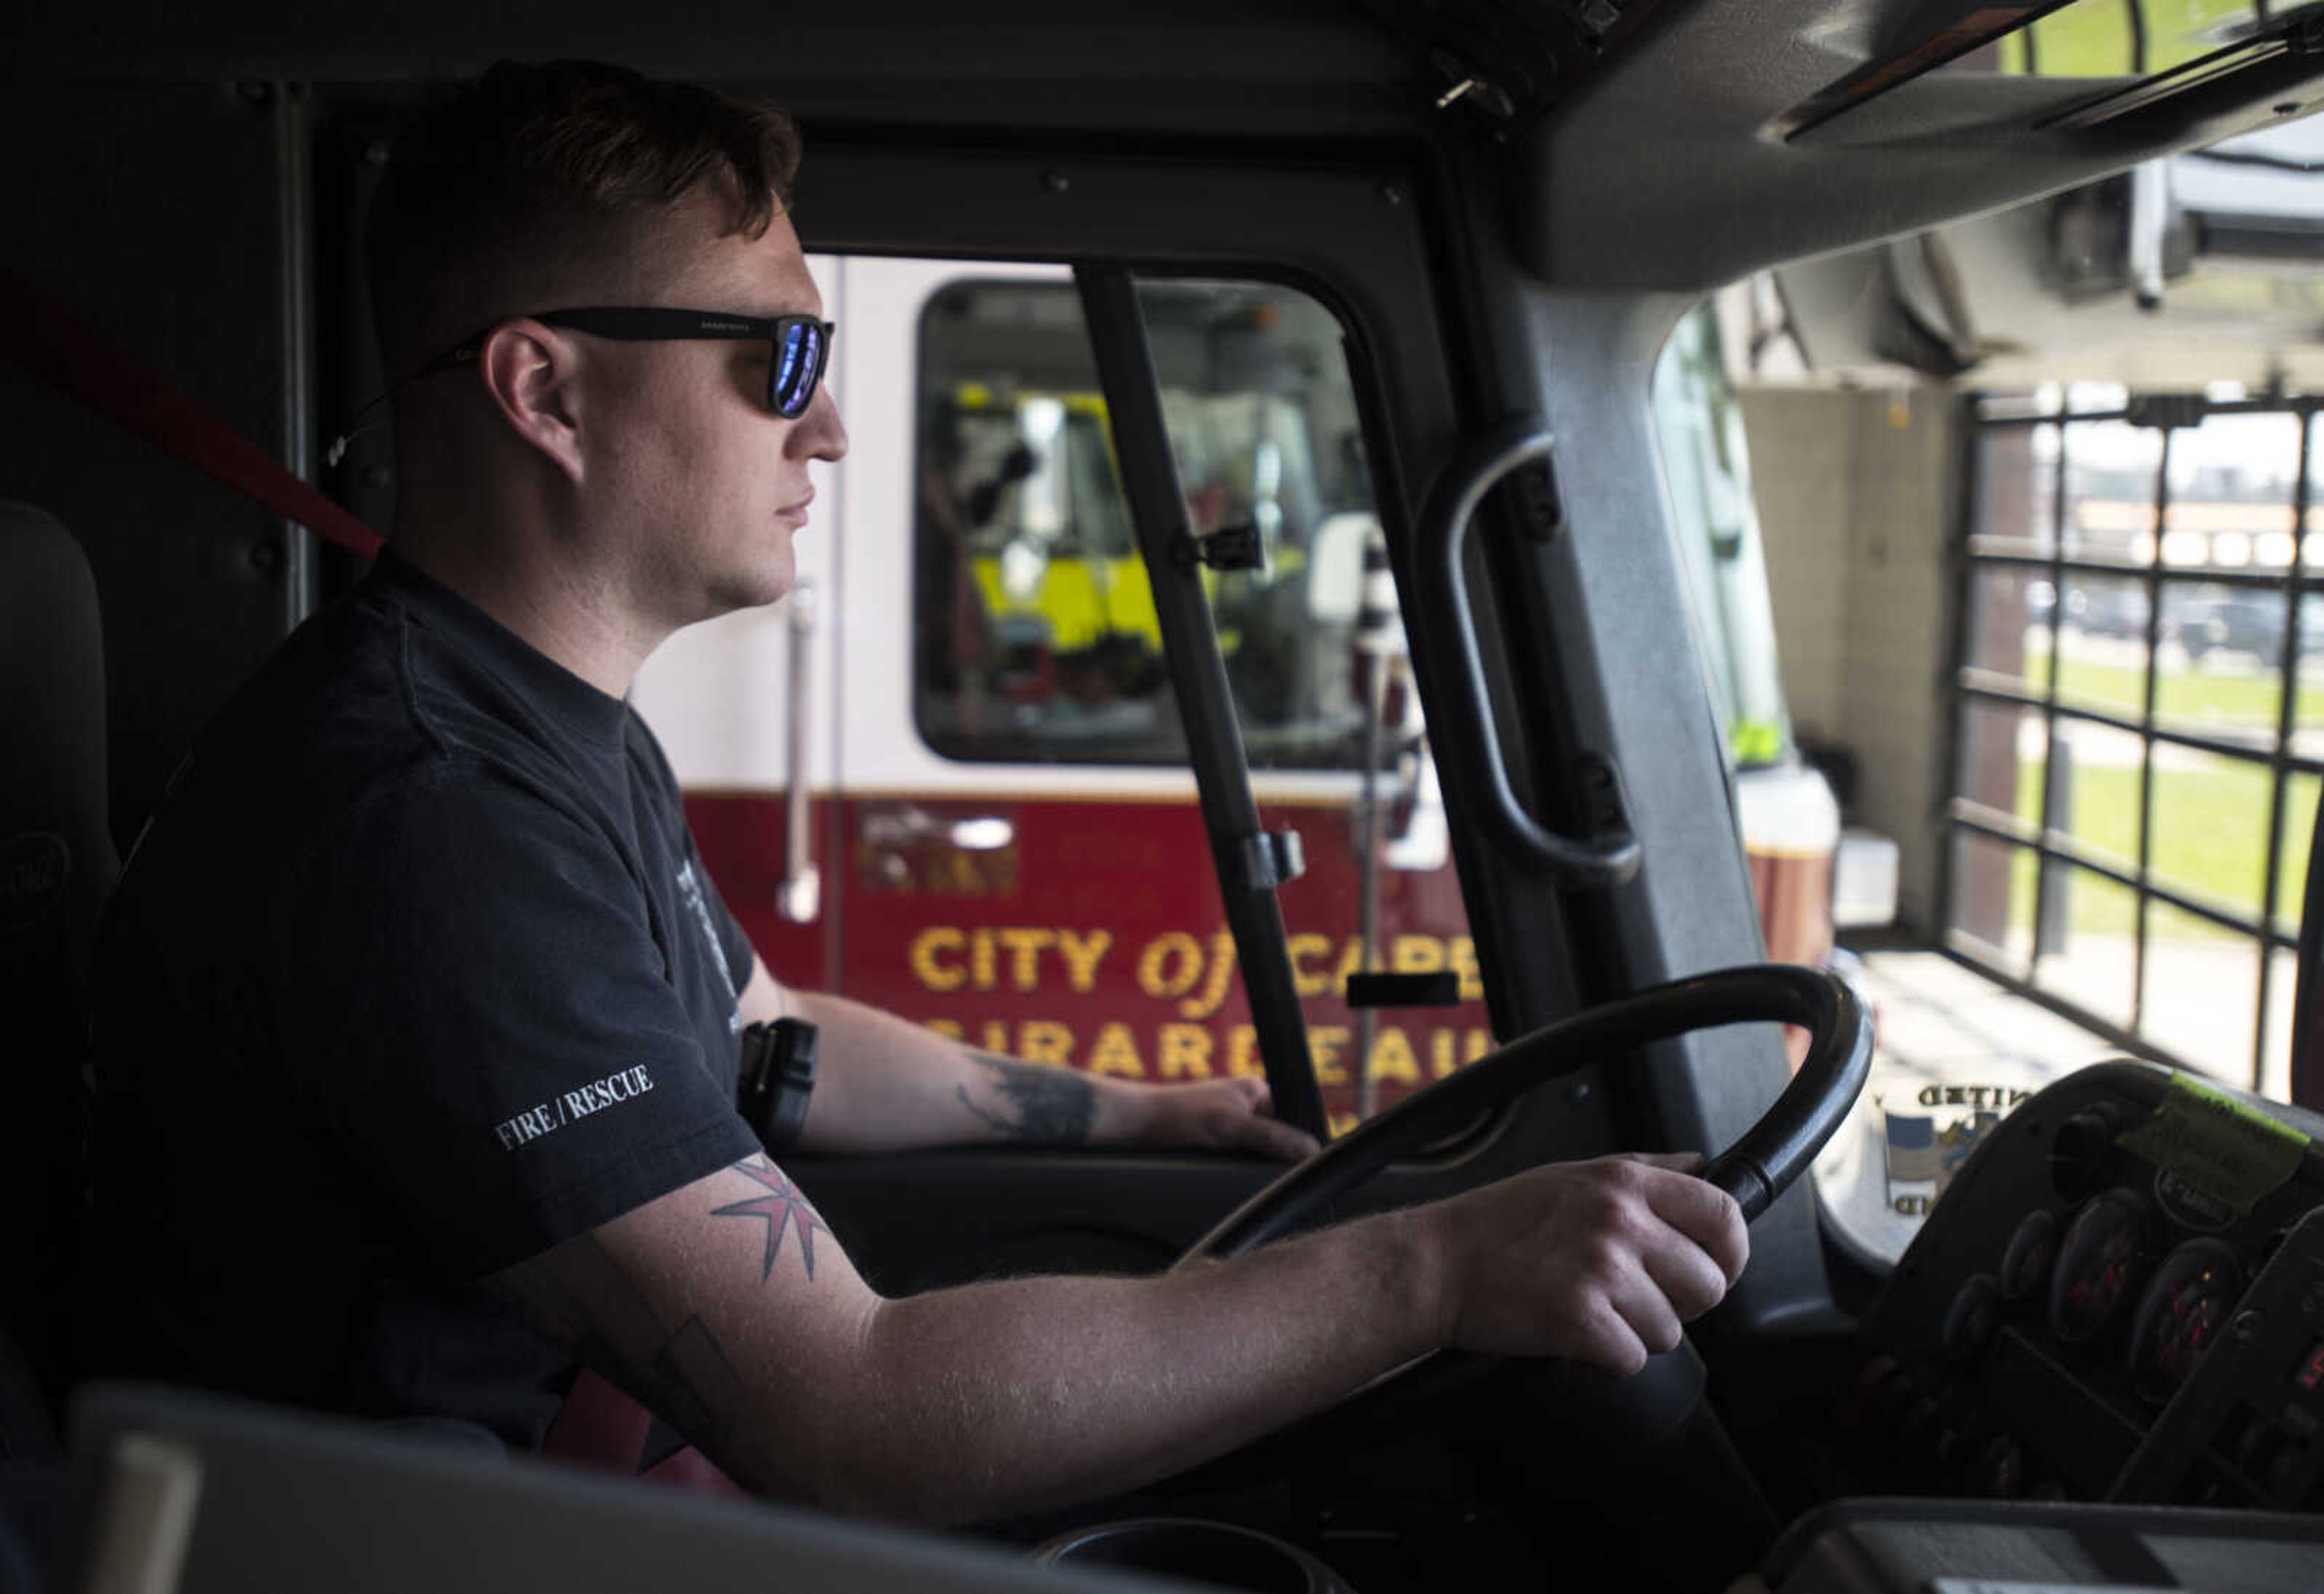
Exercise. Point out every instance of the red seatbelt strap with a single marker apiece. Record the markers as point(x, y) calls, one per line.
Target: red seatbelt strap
point(57, 345)
point(601, 1428)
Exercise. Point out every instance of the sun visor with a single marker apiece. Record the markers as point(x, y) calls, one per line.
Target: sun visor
point(2075, 66)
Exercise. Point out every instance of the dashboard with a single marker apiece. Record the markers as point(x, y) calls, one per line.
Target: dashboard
point(2120, 1297)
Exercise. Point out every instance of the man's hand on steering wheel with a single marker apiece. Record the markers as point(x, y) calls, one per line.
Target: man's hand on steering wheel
point(1599, 1262)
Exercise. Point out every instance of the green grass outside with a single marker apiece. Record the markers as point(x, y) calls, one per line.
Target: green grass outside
point(2195, 697)
point(2210, 837)
point(2209, 816)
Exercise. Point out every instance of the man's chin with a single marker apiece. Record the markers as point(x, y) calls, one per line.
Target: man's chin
point(754, 588)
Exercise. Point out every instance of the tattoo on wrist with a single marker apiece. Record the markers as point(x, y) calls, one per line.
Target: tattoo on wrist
point(1036, 1103)
point(782, 1208)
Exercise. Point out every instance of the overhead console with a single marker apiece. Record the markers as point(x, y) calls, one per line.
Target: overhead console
point(2121, 1297)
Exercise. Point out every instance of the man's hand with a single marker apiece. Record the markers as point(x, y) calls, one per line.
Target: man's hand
point(1233, 1113)
point(1599, 1261)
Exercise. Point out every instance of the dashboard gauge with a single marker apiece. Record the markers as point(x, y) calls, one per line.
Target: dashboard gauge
point(2026, 1262)
point(1971, 1318)
point(2099, 1264)
point(2184, 1309)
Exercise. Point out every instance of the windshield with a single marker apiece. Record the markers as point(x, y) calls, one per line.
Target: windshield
point(1717, 530)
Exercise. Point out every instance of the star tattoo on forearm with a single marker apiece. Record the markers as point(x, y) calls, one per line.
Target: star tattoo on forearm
point(782, 1208)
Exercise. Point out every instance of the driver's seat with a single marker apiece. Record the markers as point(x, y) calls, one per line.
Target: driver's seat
point(56, 865)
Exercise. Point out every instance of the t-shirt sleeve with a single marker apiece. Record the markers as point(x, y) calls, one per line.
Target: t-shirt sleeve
point(487, 1026)
point(734, 942)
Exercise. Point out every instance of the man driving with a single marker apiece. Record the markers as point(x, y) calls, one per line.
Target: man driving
point(418, 1043)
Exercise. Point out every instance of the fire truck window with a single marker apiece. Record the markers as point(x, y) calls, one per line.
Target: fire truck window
point(1034, 644)
point(1034, 635)
point(1708, 469)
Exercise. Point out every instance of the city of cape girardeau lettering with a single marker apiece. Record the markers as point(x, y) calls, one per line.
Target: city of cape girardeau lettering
point(1098, 977)
point(1177, 1051)
point(1193, 973)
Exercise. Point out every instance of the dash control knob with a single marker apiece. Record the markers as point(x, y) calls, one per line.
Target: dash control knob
point(1873, 1401)
point(2026, 1262)
point(1998, 1473)
point(1971, 1318)
point(2081, 1149)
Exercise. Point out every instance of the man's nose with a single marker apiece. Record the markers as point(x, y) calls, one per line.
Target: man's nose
point(820, 433)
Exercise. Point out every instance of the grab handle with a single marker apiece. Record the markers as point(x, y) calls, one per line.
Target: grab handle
point(1610, 855)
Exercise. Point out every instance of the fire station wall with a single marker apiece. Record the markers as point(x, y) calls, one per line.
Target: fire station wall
point(150, 210)
point(1855, 493)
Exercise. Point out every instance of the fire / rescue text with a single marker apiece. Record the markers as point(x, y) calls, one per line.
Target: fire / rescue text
point(554, 1113)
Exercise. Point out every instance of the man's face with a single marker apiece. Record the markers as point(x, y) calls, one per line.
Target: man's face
point(702, 485)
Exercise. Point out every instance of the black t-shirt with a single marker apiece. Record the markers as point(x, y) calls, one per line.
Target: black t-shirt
point(415, 974)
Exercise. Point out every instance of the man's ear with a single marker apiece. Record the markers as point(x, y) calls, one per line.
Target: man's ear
point(529, 372)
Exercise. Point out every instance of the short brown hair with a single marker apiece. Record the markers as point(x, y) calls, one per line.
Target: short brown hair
point(518, 186)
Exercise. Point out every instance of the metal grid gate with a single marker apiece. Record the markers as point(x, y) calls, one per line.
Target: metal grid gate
point(2137, 729)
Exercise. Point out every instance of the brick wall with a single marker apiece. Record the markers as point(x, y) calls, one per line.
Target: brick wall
point(1800, 443)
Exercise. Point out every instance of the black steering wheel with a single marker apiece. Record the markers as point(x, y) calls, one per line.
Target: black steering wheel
point(1756, 1169)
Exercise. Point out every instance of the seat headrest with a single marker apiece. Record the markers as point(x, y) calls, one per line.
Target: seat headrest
point(57, 857)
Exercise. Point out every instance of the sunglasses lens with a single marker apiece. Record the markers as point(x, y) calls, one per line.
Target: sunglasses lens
point(798, 364)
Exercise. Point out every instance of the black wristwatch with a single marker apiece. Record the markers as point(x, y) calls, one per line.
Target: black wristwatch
point(778, 1073)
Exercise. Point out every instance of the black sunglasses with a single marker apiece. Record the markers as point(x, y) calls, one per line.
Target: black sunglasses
point(802, 344)
point(802, 348)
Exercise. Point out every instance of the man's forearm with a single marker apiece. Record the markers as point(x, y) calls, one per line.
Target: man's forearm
point(729, 1307)
point(769, 1351)
point(888, 1085)
point(1030, 1103)
point(1020, 1394)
